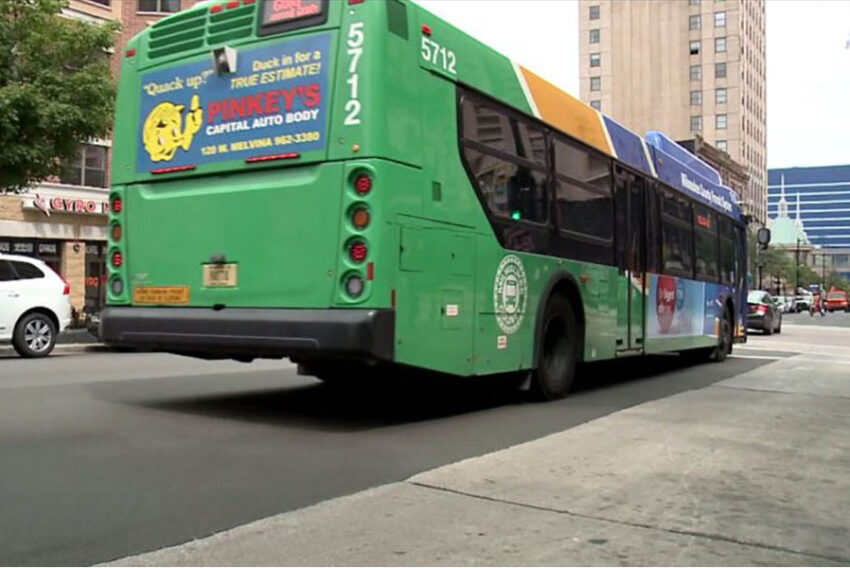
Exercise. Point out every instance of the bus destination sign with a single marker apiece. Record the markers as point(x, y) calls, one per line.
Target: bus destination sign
point(277, 11)
point(276, 102)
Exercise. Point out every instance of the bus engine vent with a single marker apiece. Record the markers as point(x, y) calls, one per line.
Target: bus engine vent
point(177, 34)
point(192, 30)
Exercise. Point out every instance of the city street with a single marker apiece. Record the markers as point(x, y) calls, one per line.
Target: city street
point(107, 455)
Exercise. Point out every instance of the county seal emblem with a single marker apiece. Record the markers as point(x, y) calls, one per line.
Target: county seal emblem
point(510, 294)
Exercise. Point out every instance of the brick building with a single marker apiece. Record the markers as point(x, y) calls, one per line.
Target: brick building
point(64, 221)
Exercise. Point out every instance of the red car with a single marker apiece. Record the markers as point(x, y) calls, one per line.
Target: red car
point(837, 300)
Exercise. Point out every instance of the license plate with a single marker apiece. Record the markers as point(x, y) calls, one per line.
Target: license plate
point(220, 275)
point(161, 295)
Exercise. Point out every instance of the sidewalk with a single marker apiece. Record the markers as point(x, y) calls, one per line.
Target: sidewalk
point(752, 470)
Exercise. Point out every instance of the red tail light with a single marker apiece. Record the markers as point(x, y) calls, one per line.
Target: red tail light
point(363, 184)
point(761, 310)
point(117, 259)
point(358, 252)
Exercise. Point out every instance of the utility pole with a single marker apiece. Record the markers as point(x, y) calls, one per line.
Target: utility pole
point(797, 269)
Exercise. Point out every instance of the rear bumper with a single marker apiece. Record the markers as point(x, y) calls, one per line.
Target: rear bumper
point(253, 332)
point(755, 322)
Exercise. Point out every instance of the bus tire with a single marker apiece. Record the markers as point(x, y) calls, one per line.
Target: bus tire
point(557, 350)
point(724, 342)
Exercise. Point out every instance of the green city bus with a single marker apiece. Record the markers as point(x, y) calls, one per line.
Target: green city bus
point(355, 184)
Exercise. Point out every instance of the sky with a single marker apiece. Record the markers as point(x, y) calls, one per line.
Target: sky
point(808, 64)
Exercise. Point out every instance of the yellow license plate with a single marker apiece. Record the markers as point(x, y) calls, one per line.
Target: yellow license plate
point(220, 275)
point(161, 295)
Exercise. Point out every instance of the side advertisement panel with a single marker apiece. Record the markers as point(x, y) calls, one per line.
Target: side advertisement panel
point(679, 307)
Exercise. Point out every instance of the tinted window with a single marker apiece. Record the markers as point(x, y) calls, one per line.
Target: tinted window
point(705, 241)
point(509, 189)
point(727, 252)
point(488, 126)
point(583, 165)
point(6, 273)
point(653, 232)
point(583, 209)
point(26, 271)
point(584, 206)
point(676, 236)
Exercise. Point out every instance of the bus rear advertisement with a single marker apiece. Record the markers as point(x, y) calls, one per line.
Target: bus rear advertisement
point(360, 184)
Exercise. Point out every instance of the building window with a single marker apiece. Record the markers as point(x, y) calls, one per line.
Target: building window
point(720, 96)
point(594, 12)
point(693, 2)
point(103, 2)
point(720, 19)
point(694, 22)
point(167, 6)
point(595, 59)
point(719, 70)
point(696, 124)
point(88, 168)
point(720, 122)
point(696, 98)
point(693, 47)
point(720, 45)
point(722, 145)
point(596, 104)
point(594, 36)
point(596, 83)
point(696, 72)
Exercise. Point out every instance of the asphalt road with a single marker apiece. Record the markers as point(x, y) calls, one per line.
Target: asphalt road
point(107, 455)
point(833, 319)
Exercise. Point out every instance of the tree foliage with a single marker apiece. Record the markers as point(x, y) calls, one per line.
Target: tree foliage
point(56, 88)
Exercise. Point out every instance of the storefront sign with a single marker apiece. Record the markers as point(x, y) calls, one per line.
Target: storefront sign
point(49, 205)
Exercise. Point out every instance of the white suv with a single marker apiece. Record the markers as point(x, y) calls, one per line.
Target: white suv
point(35, 305)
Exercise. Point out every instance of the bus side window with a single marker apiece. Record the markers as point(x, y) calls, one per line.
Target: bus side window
point(583, 202)
point(727, 252)
point(677, 236)
point(507, 158)
point(653, 231)
point(705, 240)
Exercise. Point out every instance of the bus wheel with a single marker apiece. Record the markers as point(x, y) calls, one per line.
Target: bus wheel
point(557, 353)
point(724, 342)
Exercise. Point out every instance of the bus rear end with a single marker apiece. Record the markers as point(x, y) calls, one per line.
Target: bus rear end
point(243, 217)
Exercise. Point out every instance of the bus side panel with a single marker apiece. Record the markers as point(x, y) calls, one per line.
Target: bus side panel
point(435, 298)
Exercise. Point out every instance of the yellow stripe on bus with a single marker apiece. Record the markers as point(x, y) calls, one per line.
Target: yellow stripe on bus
point(567, 113)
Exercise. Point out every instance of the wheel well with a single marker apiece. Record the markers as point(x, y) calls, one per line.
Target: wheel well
point(563, 285)
point(45, 311)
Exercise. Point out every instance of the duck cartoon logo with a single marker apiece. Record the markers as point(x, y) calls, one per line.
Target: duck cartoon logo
point(164, 131)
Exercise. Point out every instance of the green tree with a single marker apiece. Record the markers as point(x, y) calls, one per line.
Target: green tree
point(56, 88)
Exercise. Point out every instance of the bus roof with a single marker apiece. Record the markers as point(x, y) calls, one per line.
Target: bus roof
point(657, 155)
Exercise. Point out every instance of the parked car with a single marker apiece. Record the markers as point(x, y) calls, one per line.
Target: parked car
point(762, 313)
point(837, 300)
point(35, 305)
point(784, 303)
point(803, 302)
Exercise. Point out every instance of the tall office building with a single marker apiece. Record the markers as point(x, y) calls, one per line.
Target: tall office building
point(684, 67)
